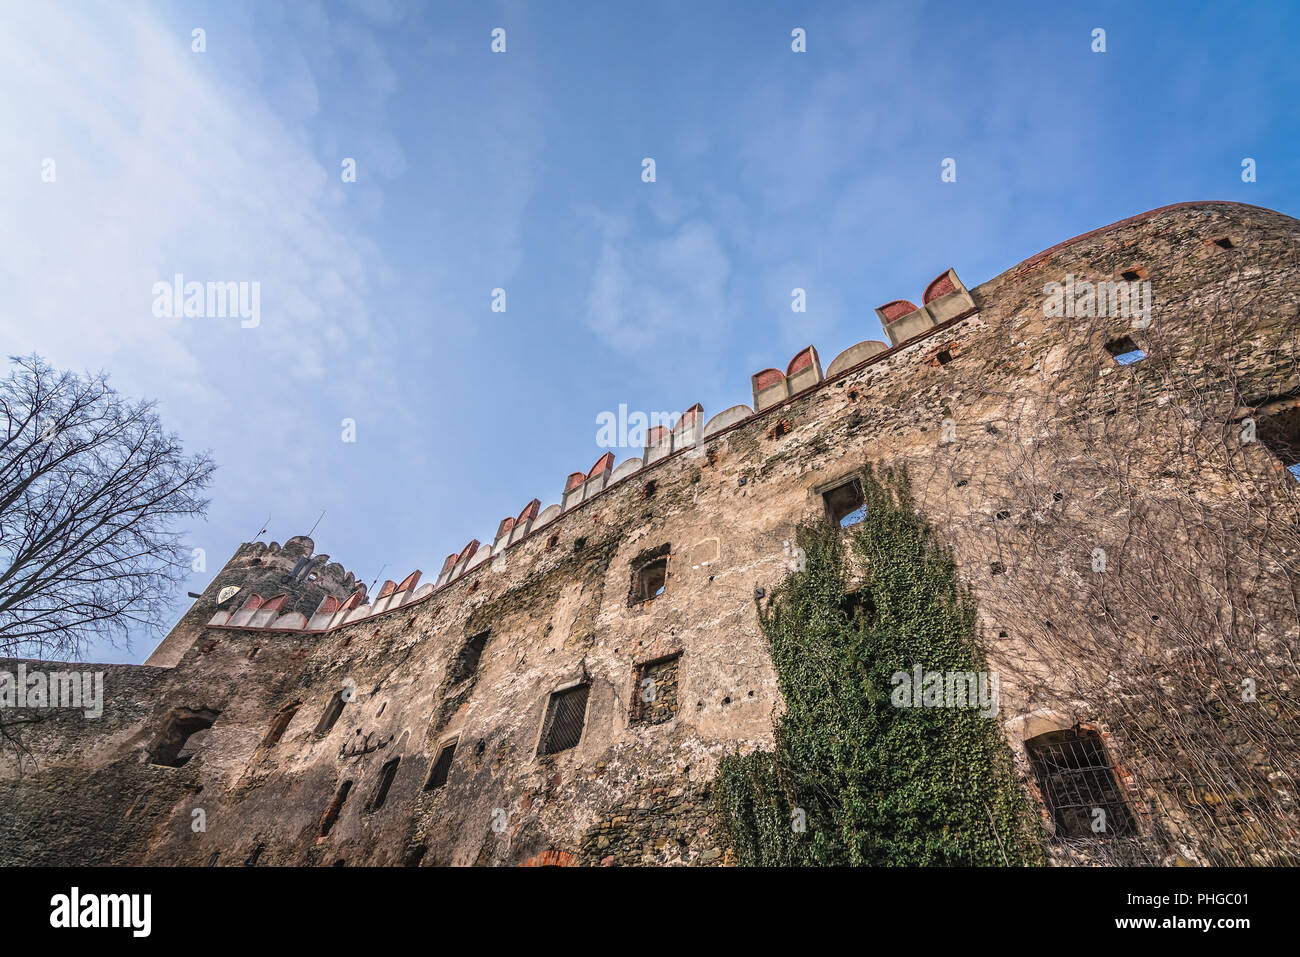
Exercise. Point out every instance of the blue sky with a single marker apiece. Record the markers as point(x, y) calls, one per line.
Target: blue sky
point(522, 171)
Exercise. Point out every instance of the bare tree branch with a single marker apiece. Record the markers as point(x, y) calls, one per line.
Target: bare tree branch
point(90, 488)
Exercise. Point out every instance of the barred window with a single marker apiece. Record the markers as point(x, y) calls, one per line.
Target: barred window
point(565, 716)
point(1078, 785)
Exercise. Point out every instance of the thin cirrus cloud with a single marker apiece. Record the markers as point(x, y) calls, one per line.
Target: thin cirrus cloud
point(162, 166)
point(664, 293)
point(225, 166)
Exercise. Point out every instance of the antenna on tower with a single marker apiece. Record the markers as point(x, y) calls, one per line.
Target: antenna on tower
point(265, 526)
point(313, 528)
point(376, 581)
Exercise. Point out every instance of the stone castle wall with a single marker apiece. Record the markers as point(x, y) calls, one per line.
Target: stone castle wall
point(1028, 448)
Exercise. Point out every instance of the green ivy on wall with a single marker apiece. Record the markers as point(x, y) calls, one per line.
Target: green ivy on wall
point(853, 779)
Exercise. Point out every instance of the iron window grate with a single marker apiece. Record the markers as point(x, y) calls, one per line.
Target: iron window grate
point(564, 719)
point(1076, 781)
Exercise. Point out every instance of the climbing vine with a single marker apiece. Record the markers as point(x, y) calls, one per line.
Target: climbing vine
point(854, 779)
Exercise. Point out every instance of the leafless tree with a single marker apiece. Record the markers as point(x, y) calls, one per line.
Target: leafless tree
point(91, 487)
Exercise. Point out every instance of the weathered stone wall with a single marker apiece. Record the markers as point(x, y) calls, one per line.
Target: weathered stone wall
point(1050, 451)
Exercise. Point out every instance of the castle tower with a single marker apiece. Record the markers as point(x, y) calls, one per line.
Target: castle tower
point(257, 569)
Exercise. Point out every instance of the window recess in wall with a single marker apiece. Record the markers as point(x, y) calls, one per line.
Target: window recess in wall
point(1125, 351)
point(331, 715)
point(566, 714)
point(1078, 785)
point(280, 725)
point(380, 793)
point(471, 654)
point(1277, 425)
point(649, 575)
point(654, 691)
point(181, 736)
point(441, 767)
point(844, 502)
point(332, 812)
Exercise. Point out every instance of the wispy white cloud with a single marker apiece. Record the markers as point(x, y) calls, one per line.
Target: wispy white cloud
point(163, 166)
point(665, 295)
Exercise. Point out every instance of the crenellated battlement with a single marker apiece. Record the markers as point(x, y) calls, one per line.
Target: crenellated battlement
point(945, 301)
point(270, 582)
point(297, 558)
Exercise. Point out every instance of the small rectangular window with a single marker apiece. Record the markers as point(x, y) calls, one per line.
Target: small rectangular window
point(649, 581)
point(380, 794)
point(845, 504)
point(441, 767)
point(1078, 785)
point(1125, 351)
point(331, 715)
point(565, 715)
point(649, 574)
point(332, 812)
